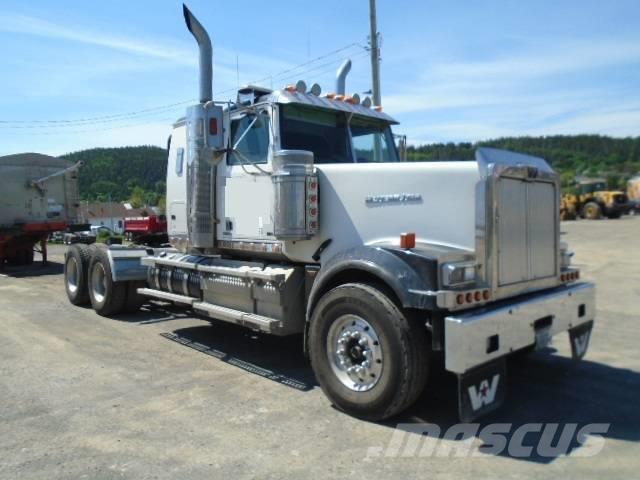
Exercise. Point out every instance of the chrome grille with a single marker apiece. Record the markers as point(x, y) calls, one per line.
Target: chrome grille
point(526, 230)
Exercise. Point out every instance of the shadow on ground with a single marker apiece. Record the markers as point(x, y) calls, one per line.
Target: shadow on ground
point(36, 269)
point(543, 388)
point(279, 359)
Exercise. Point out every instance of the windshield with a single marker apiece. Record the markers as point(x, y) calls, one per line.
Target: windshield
point(326, 134)
point(592, 187)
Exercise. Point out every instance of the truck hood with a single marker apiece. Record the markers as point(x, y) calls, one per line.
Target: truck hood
point(369, 204)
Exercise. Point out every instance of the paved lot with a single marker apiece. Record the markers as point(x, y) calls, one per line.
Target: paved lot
point(161, 395)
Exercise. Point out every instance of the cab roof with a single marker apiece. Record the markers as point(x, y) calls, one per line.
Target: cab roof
point(294, 97)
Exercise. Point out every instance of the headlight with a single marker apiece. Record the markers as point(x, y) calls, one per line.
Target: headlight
point(458, 273)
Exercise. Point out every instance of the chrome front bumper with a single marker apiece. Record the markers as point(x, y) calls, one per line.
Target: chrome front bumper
point(478, 336)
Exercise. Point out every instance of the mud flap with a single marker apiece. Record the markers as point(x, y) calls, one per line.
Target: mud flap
point(579, 338)
point(481, 390)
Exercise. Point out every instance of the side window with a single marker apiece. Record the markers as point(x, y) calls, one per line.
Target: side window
point(179, 161)
point(250, 134)
point(366, 136)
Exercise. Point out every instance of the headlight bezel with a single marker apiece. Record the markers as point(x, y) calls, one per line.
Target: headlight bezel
point(565, 256)
point(457, 274)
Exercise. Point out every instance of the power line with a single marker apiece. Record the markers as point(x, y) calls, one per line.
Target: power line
point(66, 131)
point(104, 117)
point(62, 128)
point(31, 124)
point(60, 124)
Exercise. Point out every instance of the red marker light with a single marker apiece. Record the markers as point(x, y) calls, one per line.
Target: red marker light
point(213, 126)
point(407, 240)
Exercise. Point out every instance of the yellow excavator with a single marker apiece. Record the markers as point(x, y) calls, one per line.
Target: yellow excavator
point(593, 200)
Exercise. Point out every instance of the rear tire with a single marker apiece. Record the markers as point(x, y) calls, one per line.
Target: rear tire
point(76, 266)
point(107, 297)
point(395, 346)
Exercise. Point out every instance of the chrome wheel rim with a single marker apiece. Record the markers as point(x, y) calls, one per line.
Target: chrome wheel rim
point(72, 274)
point(355, 353)
point(98, 282)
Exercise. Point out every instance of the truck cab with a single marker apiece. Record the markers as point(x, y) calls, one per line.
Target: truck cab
point(289, 212)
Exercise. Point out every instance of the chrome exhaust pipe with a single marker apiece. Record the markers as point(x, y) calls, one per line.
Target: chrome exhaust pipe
point(206, 54)
point(341, 77)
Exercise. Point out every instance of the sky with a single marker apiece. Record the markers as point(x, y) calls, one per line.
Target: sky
point(79, 74)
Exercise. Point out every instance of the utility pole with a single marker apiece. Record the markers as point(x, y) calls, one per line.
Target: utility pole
point(375, 73)
point(375, 54)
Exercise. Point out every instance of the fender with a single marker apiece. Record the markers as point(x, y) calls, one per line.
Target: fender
point(125, 262)
point(403, 271)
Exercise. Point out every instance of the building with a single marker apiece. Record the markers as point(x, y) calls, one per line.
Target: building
point(110, 214)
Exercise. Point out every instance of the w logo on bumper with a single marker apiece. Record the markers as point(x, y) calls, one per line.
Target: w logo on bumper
point(579, 338)
point(482, 389)
point(483, 394)
point(581, 343)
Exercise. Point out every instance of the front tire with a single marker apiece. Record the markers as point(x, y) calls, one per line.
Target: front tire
point(591, 211)
point(370, 359)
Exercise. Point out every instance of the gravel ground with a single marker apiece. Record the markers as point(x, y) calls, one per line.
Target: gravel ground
point(164, 395)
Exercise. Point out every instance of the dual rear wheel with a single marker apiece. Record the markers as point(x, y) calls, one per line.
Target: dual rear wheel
point(88, 279)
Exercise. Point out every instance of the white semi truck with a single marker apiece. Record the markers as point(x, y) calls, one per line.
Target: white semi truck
point(290, 213)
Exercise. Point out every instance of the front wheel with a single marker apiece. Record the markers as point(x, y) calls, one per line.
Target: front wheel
point(591, 211)
point(370, 359)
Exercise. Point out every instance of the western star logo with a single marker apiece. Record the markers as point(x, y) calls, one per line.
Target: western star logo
point(581, 343)
point(484, 394)
point(393, 198)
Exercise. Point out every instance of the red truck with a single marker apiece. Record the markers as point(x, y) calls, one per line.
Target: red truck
point(151, 230)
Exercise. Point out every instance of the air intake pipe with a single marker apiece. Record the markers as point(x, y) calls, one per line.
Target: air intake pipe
point(206, 52)
point(341, 77)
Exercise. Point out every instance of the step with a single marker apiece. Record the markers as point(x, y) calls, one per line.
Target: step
point(249, 320)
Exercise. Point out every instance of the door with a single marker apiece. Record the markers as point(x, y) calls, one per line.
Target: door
point(248, 190)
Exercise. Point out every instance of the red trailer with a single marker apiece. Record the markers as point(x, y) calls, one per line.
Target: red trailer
point(17, 244)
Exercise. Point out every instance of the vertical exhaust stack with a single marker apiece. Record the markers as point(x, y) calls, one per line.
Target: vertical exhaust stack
point(341, 77)
point(201, 172)
point(206, 54)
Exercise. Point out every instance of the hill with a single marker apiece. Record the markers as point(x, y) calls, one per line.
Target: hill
point(136, 174)
point(616, 159)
